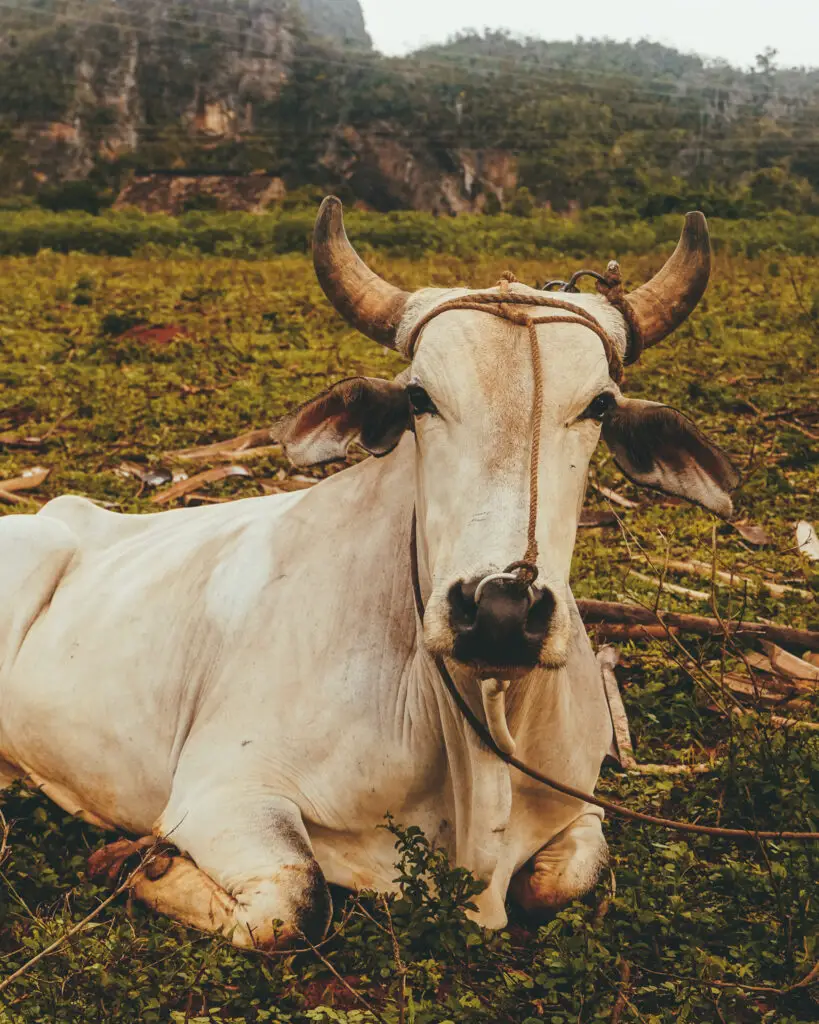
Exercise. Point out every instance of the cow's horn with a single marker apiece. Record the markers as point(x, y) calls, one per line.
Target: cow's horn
point(365, 300)
point(669, 298)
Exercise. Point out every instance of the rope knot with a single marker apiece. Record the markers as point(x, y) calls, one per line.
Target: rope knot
point(610, 286)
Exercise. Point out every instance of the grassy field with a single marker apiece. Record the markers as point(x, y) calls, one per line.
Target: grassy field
point(683, 929)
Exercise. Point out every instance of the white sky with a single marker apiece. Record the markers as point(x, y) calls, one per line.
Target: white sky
point(735, 30)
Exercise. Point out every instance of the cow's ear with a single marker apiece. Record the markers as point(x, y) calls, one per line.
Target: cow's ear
point(658, 447)
point(373, 412)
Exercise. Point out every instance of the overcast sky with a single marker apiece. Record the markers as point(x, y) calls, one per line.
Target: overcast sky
point(735, 30)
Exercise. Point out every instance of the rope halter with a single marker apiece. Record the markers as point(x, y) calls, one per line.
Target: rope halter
point(505, 305)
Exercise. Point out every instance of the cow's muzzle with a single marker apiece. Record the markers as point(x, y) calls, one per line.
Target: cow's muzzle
point(500, 622)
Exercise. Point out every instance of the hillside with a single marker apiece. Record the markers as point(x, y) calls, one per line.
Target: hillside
point(239, 104)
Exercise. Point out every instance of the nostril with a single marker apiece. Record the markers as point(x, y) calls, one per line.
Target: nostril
point(463, 609)
point(540, 615)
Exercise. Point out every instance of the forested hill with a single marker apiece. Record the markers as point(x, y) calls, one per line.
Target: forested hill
point(244, 103)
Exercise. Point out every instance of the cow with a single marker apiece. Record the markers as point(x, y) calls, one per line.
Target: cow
point(254, 682)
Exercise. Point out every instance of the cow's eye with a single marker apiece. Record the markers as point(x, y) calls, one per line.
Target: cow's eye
point(598, 407)
point(420, 402)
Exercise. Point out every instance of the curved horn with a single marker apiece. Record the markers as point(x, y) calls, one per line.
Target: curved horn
point(365, 300)
point(669, 298)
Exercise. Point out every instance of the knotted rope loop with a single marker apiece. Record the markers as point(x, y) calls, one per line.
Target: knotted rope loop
point(610, 286)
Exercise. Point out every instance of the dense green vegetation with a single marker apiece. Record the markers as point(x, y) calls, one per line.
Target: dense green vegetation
point(600, 232)
point(688, 929)
point(589, 123)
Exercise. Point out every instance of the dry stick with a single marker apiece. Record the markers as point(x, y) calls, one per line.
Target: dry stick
point(4, 984)
point(699, 982)
point(400, 966)
point(661, 617)
point(671, 634)
point(622, 998)
point(733, 579)
point(4, 840)
point(779, 720)
point(606, 612)
point(613, 496)
point(356, 995)
point(811, 978)
point(672, 588)
point(620, 631)
point(607, 659)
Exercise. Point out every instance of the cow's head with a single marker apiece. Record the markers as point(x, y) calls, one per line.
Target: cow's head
point(468, 398)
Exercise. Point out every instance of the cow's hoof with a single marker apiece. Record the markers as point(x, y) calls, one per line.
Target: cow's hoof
point(105, 865)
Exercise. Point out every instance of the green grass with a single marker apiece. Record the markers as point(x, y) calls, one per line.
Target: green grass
point(259, 338)
point(599, 231)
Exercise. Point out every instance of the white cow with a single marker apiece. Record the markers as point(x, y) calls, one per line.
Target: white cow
point(251, 680)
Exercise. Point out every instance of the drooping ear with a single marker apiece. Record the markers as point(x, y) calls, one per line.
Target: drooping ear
point(658, 447)
point(373, 412)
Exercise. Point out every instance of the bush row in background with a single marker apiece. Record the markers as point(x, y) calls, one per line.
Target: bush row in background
point(602, 232)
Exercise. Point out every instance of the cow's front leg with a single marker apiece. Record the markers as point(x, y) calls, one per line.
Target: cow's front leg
point(566, 868)
point(249, 874)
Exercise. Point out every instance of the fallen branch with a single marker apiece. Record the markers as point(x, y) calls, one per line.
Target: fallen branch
point(614, 497)
point(595, 612)
point(619, 631)
point(795, 670)
point(183, 487)
point(732, 579)
point(228, 449)
point(763, 692)
point(622, 993)
point(672, 588)
point(778, 720)
point(607, 660)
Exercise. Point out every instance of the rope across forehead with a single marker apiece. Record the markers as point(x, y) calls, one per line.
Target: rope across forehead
point(505, 304)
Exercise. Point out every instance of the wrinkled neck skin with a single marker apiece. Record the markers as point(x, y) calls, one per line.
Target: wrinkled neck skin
point(558, 718)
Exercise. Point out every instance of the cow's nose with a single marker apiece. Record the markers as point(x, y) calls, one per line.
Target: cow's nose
point(506, 627)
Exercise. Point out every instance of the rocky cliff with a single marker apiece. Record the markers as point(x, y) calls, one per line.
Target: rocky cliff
point(341, 20)
point(247, 96)
point(237, 104)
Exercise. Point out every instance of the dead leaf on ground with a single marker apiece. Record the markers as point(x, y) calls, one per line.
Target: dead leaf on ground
point(228, 448)
point(157, 334)
point(210, 476)
point(807, 541)
point(150, 476)
point(11, 440)
point(28, 480)
point(756, 535)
